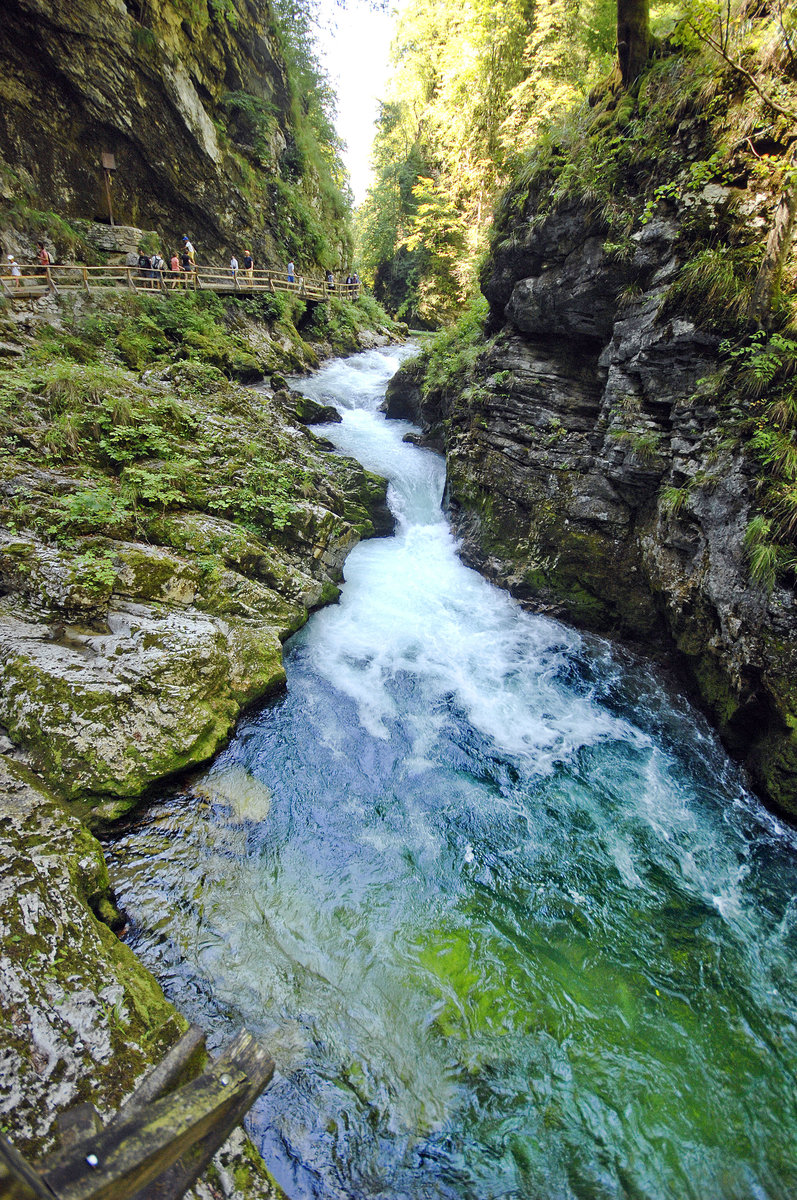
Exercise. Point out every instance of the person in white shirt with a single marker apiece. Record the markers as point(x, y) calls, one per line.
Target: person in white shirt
point(234, 266)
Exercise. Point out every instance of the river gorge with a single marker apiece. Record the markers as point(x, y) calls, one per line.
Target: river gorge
point(489, 888)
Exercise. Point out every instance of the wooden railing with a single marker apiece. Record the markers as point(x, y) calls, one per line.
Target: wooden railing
point(159, 1142)
point(73, 277)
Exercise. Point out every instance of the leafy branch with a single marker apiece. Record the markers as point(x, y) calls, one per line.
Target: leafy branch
point(720, 45)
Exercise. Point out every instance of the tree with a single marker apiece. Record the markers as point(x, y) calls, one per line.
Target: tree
point(633, 38)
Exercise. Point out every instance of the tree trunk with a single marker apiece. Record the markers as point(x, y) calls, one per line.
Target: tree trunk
point(633, 38)
point(778, 243)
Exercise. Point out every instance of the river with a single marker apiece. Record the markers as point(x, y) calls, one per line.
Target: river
point(490, 890)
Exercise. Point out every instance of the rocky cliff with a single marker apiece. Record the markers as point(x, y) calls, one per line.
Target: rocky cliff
point(602, 457)
point(193, 99)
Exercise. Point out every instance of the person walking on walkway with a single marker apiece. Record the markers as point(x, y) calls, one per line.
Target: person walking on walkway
point(187, 266)
point(291, 272)
point(249, 267)
point(234, 269)
point(189, 250)
point(15, 270)
point(174, 263)
point(144, 269)
point(157, 268)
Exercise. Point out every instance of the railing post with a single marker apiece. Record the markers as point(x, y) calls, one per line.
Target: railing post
point(131, 283)
point(50, 281)
point(86, 281)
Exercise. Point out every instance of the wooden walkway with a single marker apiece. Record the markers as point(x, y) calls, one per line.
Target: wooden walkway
point(73, 277)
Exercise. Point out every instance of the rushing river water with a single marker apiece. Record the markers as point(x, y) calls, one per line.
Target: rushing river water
point(492, 893)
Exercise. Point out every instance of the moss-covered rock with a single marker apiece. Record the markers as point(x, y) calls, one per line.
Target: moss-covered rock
point(81, 1018)
point(162, 538)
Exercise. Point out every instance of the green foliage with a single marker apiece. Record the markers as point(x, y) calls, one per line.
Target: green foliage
point(469, 90)
point(673, 499)
point(97, 509)
point(337, 321)
point(767, 558)
point(451, 358)
point(94, 572)
point(763, 367)
point(309, 197)
point(714, 287)
point(257, 122)
point(645, 444)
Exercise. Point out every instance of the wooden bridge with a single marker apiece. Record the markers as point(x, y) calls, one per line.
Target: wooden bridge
point(73, 277)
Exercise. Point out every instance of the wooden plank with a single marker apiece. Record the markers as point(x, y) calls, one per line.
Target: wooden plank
point(247, 1055)
point(123, 1160)
point(19, 1174)
point(162, 1077)
point(80, 1123)
point(77, 1123)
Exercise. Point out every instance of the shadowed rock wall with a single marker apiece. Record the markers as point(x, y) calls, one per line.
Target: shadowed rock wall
point(147, 81)
point(591, 474)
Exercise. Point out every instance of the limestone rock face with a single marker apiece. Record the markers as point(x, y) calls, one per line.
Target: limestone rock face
point(150, 83)
point(81, 1017)
point(75, 1024)
point(111, 681)
point(593, 477)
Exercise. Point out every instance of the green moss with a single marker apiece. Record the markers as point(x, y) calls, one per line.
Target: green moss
point(774, 762)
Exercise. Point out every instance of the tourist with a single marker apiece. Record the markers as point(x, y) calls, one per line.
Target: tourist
point(190, 251)
point(249, 266)
point(15, 270)
point(187, 266)
point(144, 267)
point(291, 272)
point(45, 257)
point(157, 267)
point(234, 269)
point(174, 264)
point(330, 282)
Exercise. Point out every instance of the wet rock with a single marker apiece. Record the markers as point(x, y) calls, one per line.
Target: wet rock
point(81, 1017)
point(306, 410)
point(592, 478)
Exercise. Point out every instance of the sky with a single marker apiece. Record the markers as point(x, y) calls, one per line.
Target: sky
point(355, 54)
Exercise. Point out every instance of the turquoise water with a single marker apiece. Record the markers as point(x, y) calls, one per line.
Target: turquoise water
point(491, 891)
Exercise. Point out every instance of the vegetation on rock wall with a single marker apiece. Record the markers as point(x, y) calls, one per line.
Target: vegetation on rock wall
point(133, 468)
point(216, 111)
